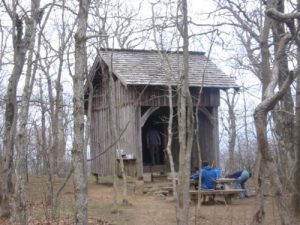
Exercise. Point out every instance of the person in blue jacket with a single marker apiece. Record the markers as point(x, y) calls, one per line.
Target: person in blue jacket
point(242, 176)
point(208, 176)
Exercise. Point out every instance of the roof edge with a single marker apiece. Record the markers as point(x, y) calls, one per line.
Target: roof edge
point(149, 51)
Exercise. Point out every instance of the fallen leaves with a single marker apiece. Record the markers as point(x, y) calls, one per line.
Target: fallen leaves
point(66, 222)
point(57, 222)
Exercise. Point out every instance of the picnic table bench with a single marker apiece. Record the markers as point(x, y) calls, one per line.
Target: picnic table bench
point(228, 194)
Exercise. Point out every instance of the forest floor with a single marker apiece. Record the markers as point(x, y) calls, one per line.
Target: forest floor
point(147, 209)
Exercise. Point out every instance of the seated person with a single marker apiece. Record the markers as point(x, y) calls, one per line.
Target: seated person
point(208, 177)
point(241, 177)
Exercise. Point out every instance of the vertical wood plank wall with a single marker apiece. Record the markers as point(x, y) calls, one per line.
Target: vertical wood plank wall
point(209, 148)
point(100, 137)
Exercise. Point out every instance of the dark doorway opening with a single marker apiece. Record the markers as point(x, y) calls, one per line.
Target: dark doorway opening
point(159, 121)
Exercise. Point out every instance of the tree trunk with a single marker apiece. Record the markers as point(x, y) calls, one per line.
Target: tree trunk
point(260, 117)
point(259, 216)
point(8, 142)
point(115, 133)
point(168, 69)
point(231, 129)
point(78, 154)
point(20, 44)
point(265, 77)
point(296, 195)
point(261, 128)
point(248, 163)
point(169, 144)
point(21, 154)
point(58, 148)
point(44, 151)
point(185, 125)
point(284, 113)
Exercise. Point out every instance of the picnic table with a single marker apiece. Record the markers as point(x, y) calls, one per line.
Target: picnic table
point(221, 183)
point(224, 187)
point(225, 183)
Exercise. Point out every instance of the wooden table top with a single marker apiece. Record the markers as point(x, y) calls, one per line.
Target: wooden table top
point(225, 180)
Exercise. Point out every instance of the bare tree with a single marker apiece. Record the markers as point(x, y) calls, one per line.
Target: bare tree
point(56, 103)
point(20, 164)
point(78, 155)
point(21, 44)
point(254, 30)
point(283, 113)
point(231, 129)
point(296, 196)
point(185, 121)
point(269, 103)
point(167, 67)
point(124, 29)
point(261, 129)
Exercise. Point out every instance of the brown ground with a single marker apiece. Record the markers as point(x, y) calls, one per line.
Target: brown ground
point(144, 209)
point(159, 210)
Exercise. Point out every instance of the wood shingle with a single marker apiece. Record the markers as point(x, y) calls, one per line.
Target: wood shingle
point(147, 67)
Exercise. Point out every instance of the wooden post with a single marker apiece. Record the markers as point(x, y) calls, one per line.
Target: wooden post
point(139, 156)
point(215, 133)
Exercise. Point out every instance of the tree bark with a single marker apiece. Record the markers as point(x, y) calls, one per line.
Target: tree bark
point(284, 112)
point(20, 170)
point(169, 144)
point(57, 111)
point(296, 195)
point(165, 60)
point(78, 154)
point(259, 216)
point(265, 72)
point(20, 44)
point(260, 117)
point(231, 129)
point(185, 124)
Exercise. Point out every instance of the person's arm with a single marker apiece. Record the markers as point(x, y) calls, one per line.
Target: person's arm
point(195, 176)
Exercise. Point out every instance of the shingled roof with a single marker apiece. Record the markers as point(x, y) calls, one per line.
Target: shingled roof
point(146, 67)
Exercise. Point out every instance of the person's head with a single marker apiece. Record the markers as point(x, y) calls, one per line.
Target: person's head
point(205, 163)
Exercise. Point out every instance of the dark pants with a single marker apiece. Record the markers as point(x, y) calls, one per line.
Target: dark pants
point(241, 183)
point(154, 152)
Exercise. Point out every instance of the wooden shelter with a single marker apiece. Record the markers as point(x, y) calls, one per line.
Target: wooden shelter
point(141, 81)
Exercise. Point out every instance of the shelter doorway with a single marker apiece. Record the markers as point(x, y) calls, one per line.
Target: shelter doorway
point(159, 121)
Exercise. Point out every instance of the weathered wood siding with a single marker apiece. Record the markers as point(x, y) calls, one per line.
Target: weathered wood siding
point(100, 129)
point(158, 96)
point(209, 142)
